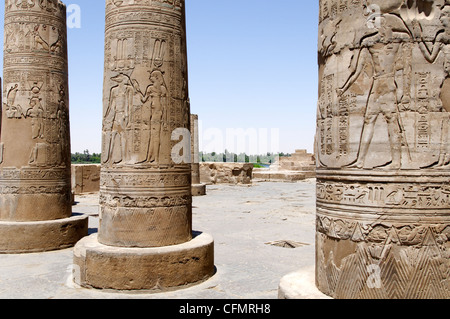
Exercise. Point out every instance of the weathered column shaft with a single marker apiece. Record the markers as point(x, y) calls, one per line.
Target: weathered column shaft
point(145, 195)
point(195, 165)
point(35, 141)
point(145, 238)
point(383, 195)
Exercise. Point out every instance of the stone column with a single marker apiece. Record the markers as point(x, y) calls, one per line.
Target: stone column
point(145, 239)
point(35, 190)
point(197, 188)
point(382, 149)
point(383, 203)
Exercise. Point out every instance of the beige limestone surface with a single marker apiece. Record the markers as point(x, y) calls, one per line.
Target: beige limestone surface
point(145, 179)
point(35, 135)
point(145, 192)
point(382, 149)
point(35, 181)
point(226, 173)
point(242, 219)
point(85, 178)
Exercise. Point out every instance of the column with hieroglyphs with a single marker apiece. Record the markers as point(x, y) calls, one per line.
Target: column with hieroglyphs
point(35, 190)
point(383, 196)
point(145, 238)
point(198, 188)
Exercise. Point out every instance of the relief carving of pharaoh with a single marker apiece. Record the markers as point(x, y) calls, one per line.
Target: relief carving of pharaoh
point(145, 95)
point(383, 149)
point(137, 112)
point(383, 101)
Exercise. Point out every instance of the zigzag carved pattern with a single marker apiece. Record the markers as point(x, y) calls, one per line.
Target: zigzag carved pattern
point(406, 272)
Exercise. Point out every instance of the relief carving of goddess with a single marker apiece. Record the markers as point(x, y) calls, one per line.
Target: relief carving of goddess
point(156, 94)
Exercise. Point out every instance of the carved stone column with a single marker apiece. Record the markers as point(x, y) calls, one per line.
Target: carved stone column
point(145, 239)
point(383, 194)
point(35, 190)
point(198, 189)
point(382, 152)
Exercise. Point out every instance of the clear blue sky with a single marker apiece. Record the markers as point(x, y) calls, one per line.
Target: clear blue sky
point(252, 65)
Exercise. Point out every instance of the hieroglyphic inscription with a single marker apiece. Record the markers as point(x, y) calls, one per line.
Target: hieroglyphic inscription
point(382, 144)
point(35, 72)
point(35, 135)
point(408, 72)
point(384, 195)
point(145, 197)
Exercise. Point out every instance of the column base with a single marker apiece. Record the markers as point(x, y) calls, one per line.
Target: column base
point(40, 236)
point(198, 189)
point(153, 269)
point(300, 285)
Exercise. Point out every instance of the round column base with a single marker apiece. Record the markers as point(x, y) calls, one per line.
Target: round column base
point(153, 269)
point(300, 285)
point(41, 236)
point(198, 189)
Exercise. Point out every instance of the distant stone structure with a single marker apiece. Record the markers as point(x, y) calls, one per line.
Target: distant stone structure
point(383, 194)
point(226, 173)
point(198, 188)
point(35, 185)
point(145, 239)
point(299, 166)
point(85, 178)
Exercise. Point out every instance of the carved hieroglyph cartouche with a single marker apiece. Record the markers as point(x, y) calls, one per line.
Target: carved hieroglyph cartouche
point(35, 141)
point(383, 149)
point(145, 197)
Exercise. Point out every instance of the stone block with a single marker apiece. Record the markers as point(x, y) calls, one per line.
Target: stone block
point(226, 173)
point(154, 269)
point(85, 178)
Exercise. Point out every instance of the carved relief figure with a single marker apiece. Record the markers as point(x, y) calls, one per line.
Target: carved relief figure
point(25, 3)
point(440, 44)
point(117, 119)
point(381, 51)
point(156, 93)
point(57, 46)
point(389, 110)
point(36, 113)
point(11, 110)
point(39, 42)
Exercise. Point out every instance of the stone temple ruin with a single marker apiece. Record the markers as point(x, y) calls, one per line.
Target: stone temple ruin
point(381, 162)
point(297, 167)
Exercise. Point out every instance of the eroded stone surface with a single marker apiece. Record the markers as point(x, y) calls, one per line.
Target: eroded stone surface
point(158, 269)
point(145, 195)
point(382, 149)
point(198, 189)
point(35, 141)
point(226, 173)
point(85, 178)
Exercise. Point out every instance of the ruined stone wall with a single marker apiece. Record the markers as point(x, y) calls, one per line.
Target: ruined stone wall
point(85, 178)
point(226, 173)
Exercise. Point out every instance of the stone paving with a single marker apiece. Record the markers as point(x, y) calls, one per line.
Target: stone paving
point(254, 227)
